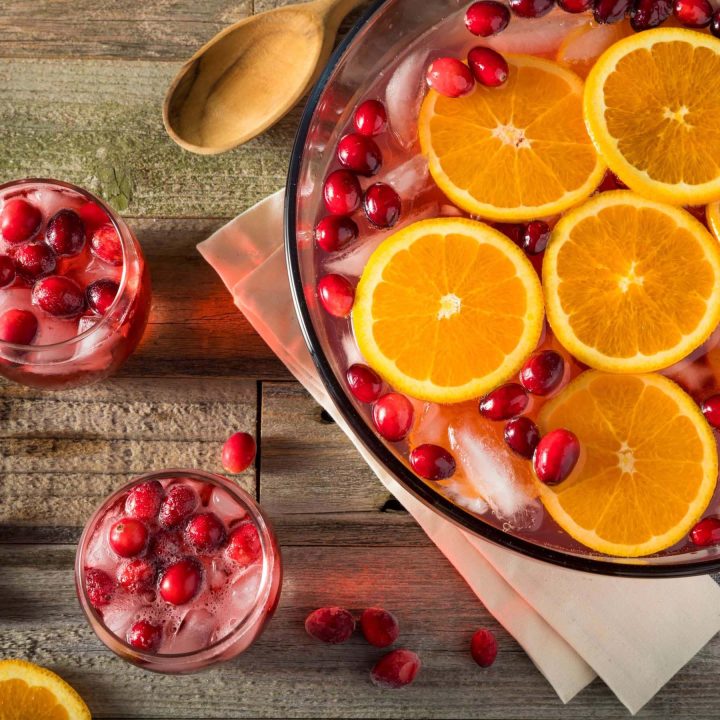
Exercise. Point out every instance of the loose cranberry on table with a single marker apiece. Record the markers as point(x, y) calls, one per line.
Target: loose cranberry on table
point(711, 410)
point(648, 14)
point(18, 327)
point(556, 456)
point(486, 18)
point(205, 532)
point(432, 462)
point(59, 296)
point(483, 648)
point(179, 503)
point(19, 220)
point(244, 546)
point(342, 192)
point(105, 245)
point(180, 582)
point(370, 118)
point(706, 532)
point(100, 587)
point(575, 6)
point(34, 260)
point(536, 237)
point(382, 205)
point(542, 372)
point(7, 270)
point(238, 452)
point(143, 635)
point(101, 294)
point(450, 77)
point(364, 383)
point(611, 181)
point(379, 627)
point(610, 11)
point(360, 154)
point(522, 436)
point(65, 233)
point(715, 24)
point(332, 625)
point(393, 416)
point(504, 402)
point(693, 13)
point(137, 575)
point(396, 669)
point(531, 8)
point(128, 537)
point(143, 501)
point(334, 232)
point(488, 66)
point(336, 294)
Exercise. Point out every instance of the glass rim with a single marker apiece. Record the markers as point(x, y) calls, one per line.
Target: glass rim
point(434, 500)
point(265, 533)
point(124, 242)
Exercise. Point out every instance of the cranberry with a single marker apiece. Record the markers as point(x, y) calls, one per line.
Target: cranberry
point(711, 410)
point(531, 8)
point(370, 118)
point(180, 582)
point(93, 216)
point(34, 260)
point(396, 669)
point(542, 372)
point(65, 233)
point(244, 546)
point(99, 586)
point(486, 18)
point(137, 575)
point(379, 627)
point(342, 193)
point(205, 532)
point(706, 532)
point(611, 182)
point(382, 205)
point(128, 537)
point(336, 294)
point(555, 456)
point(535, 237)
point(333, 625)
point(575, 6)
point(59, 296)
point(143, 501)
point(693, 13)
point(450, 77)
point(335, 231)
point(504, 402)
point(364, 383)
point(101, 294)
point(179, 503)
point(18, 327)
point(715, 24)
point(105, 245)
point(432, 462)
point(393, 416)
point(648, 14)
point(522, 436)
point(7, 271)
point(144, 636)
point(488, 66)
point(238, 452)
point(610, 11)
point(360, 154)
point(483, 648)
point(19, 220)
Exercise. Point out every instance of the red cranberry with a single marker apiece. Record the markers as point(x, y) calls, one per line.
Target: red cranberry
point(128, 537)
point(99, 586)
point(556, 455)
point(575, 6)
point(65, 233)
point(393, 416)
point(336, 294)
point(360, 154)
point(486, 18)
point(180, 582)
point(18, 327)
point(364, 383)
point(333, 625)
point(483, 648)
point(610, 11)
point(542, 372)
point(370, 118)
point(715, 24)
point(7, 271)
point(648, 14)
point(342, 193)
point(535, 237)
point(396, 669)
point(34, 260)
point(611, 182)
point(504, 402)
point(205, 532)
point(531, 8)
point(105, 245)
point(335, 231)
point(137, 575)
point(450, 77)
point(238, 452)
point(522, 436)
point(144, 636)
point(706, 532)
point(382, 205)
point(379, 627)
point(143, 501)
point(93, 216)
point(179, 503)
point(488, 66)
point(19, 220)
point(711, 410)
point(244, 547)
point(101, 294)
point(693, 13)
point(432, 462)
point(59, 296)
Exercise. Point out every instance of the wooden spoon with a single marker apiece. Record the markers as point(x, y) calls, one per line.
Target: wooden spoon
point(250, 75)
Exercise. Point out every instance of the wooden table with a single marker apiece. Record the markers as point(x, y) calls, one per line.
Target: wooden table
point(81, 85)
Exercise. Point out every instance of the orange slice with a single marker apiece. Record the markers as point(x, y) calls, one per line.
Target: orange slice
point(516, 152)
point(584, 44)
point(651, 106)
point(447, 309)
point(29, 691)
point(631, 284)
point(712, 213)
point(648, 467)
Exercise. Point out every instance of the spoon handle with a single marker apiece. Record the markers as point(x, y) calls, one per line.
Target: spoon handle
point(334, 11)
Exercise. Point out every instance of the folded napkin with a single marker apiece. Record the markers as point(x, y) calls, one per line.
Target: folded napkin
point(634, 634)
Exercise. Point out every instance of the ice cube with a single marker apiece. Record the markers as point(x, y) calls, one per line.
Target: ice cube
point(242, 595)
point(225, 506)
point(404, 95)
point(122, 612)
point(194, 632)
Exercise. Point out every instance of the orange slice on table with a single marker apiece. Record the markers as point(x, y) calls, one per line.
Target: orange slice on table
point(584, 44)
point(631, 285)
point(515, 152)
point(447, 309)
point(652, 103)
point(29, 691)
point(648, 466)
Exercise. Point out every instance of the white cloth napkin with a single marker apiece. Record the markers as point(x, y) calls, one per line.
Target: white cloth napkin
point(634, 634)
